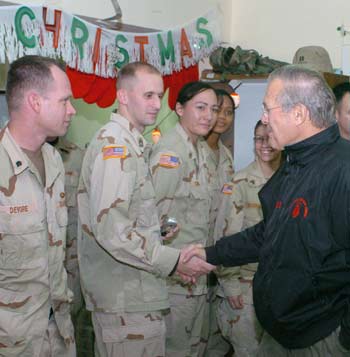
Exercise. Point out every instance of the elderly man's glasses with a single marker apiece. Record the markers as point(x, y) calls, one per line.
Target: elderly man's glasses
point(266, 111)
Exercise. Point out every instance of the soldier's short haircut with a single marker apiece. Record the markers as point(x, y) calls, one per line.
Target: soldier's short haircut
point(130, 70)
point(28, 72)
point(307, 87)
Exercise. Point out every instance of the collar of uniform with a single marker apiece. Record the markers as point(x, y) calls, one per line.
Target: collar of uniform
point(18, 158)
point(64, 144)
point(184, 135)
point(140, 141)
point(255, 172)
point(51, 169)
point(224, 153)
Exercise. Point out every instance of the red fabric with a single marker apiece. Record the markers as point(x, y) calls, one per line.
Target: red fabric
point(177, 80)
point(110, 94)
point(80, 82)
point(102, 91)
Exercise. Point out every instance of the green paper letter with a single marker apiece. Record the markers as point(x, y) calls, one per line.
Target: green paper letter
point(166, 52)
point(79, 41)
point(26, 41)
point(204, 21)
point(122, 50)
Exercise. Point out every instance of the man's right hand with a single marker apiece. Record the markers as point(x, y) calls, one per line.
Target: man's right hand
point(194, 250)
point(236, 301)
point(191, 265)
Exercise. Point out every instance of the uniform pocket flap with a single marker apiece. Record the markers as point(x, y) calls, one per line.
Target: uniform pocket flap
point(122, 334)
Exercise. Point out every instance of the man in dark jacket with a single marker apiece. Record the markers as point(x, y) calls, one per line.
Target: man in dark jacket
point(302, 286)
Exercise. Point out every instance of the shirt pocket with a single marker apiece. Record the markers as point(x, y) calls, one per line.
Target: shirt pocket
point(198, 205)
point(21, 239)
point(147, 216)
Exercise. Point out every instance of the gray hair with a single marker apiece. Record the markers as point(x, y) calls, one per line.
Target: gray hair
point(309, 88)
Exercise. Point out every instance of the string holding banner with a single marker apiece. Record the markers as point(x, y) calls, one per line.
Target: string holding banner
point(92, 49)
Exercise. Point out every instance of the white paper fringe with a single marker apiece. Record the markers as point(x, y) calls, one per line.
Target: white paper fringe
point(11, 48)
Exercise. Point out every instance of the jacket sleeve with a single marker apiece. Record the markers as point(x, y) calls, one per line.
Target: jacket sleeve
point(237, 249)
point(134, 242)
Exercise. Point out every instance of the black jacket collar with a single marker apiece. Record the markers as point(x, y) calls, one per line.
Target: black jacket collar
point(304, 151)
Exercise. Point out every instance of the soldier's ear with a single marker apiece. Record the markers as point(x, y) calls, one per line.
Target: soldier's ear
point(179, 109)
point(122, 96)
point(33, 99)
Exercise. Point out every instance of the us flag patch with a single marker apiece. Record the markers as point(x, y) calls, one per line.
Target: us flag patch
point(114, 152)
point(169, 161)
point(227, 189)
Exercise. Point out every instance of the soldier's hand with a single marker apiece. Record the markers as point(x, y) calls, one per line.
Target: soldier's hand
point(193, 266)
point(193, 250)
point(171, 233)
point(236, 301)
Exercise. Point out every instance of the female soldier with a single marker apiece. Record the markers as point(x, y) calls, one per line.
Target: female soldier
point(180, 180)
point(236, 315)
point(220, 167)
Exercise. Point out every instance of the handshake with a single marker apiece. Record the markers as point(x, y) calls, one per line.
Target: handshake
point(192, 263)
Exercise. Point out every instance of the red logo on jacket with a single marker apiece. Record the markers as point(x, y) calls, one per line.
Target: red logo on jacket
point(299, 206)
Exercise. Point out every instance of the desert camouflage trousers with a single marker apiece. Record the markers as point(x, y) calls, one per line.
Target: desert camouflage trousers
point(212, 342)
point(240, 326)
point(184, 325)
point(53, 344)
point(129, 334)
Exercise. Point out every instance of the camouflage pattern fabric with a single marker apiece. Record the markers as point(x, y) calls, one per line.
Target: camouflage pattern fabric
point(130, 334)
point(33, 220)
point(122, 261)
point(180, 178)
point(72, 157)
point(220, 168)
point(184, 325)
point(239, 61)
point(240, 326)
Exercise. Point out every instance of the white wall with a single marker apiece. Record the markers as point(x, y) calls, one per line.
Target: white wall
point(277, 28)
point(156, 14)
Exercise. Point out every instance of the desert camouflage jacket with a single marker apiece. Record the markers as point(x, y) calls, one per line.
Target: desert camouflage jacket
point(33, 220)
point(180, 178)
point(245, 212)
point(121, 258)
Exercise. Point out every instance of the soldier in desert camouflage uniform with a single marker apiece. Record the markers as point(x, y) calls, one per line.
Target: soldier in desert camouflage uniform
point(122, 261)
point(236, 314)
point(34, 296)
point(72, 157)
point(220, 166)
point(180, 178)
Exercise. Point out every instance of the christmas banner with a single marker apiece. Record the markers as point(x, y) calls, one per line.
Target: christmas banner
point(96, 50)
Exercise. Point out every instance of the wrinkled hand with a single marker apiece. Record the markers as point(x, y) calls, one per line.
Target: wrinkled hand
point(191, 268)
point(194, 250)
point(236, 301)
